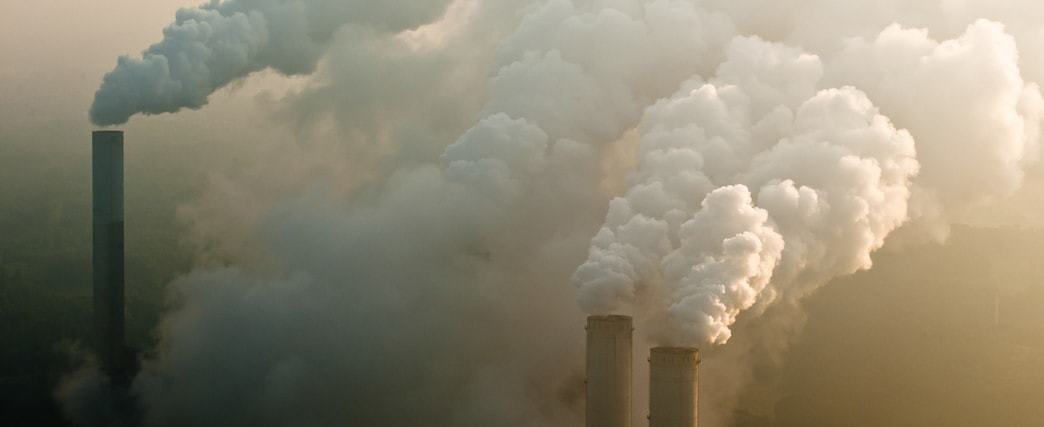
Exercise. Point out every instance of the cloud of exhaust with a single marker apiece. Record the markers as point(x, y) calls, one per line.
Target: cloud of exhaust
point(435, 291)
point(209, 47)
point(746, 185)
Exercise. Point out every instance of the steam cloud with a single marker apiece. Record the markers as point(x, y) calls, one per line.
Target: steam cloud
point(437, 294)
point(832, 177)
point(211, 46)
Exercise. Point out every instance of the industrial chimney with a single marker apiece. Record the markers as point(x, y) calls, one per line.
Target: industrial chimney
point(107, 212)
point(609, 357)
point(673, 386)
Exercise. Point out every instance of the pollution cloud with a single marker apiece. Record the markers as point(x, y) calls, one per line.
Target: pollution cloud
point(831, 177)
point(760, 155)
point(208, 47)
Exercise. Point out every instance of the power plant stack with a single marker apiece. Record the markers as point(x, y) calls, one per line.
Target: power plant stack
point(107, 212)
point(609, 358)
point(673, 386)
point(673, 378)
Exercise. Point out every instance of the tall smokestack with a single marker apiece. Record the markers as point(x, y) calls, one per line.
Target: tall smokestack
point(673, 386)
point(107, 212)
point(609, 357)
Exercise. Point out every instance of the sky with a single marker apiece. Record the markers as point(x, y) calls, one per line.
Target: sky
point(349, 183)
point(57, 53)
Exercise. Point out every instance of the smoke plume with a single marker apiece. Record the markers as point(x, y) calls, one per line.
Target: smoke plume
point(208, 47)
point(832, 176)
point(705, 164)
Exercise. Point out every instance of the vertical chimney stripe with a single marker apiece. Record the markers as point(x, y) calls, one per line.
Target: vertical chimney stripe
point(609, 359)
point(673, 386)
point(107, 255)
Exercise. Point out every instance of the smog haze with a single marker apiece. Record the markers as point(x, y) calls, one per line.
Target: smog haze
point(391, 213)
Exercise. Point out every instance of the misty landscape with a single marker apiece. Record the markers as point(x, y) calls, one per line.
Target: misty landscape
point(392, 213)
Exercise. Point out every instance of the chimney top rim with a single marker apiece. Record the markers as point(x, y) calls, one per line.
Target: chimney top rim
point(610, 318)
point(676, 350)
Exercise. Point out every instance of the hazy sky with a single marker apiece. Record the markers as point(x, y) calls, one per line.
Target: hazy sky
point(56, 51)
point(55, 54)
point(443, 194)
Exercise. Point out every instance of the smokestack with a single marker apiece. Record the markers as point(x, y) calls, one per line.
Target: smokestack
point(609, 357)
point(673, 386)
point(107, 212)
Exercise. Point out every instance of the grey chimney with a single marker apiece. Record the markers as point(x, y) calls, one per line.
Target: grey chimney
point(107, 262)
point(673, 386)
point(609, 357)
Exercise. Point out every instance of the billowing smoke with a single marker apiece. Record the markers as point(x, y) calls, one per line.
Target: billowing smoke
point(962, 96)
point(211, 46)
point(698, 166)
point(753, 187)
point(749, 174)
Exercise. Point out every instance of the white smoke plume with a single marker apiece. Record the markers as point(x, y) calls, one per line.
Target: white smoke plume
point(833, 195)
point(211, 46)
point(438, 292)
point(830, 178)
point(962, 96)
point(812, 183)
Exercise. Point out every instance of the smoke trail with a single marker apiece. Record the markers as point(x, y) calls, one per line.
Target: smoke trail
point(211, 46)
point(436, 294)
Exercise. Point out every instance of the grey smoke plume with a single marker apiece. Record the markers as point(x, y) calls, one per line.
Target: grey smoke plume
point(211, 46)
point(439, 264)
point(436, 292)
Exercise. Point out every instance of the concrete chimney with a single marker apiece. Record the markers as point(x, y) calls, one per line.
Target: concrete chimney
point(107, 212)
point(609, 358)
point(673, 386)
